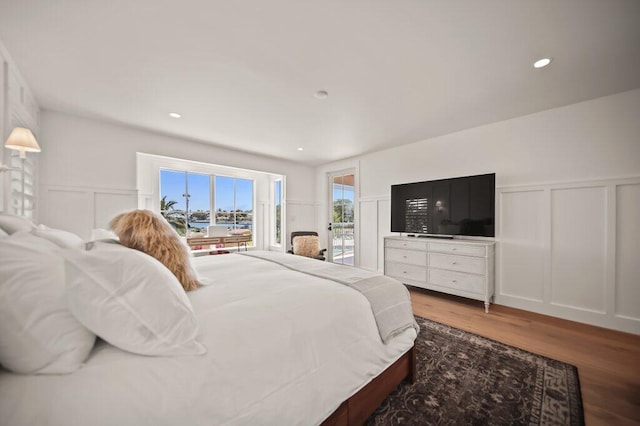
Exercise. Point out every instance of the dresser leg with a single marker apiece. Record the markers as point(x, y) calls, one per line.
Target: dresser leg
point(486, 307)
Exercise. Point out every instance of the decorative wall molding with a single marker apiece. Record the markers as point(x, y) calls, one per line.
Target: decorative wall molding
point(375, 198)
point(567, 183)
point(570, 250)
point(301, 216)
point(372, 233)
point(81, 209)
point(302, 202)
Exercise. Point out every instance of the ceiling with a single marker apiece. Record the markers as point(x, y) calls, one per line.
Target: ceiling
point(243, 73)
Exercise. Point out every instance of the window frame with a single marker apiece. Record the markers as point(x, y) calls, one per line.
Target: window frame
point(148, 182)
point(185, 174)
point(212, 219)
point(273, 213)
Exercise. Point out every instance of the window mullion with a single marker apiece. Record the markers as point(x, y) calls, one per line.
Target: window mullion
point(212, 200)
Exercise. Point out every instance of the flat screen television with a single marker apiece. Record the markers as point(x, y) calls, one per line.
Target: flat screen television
point(446, 207)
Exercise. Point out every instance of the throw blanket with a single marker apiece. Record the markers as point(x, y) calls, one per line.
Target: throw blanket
point(389, 298)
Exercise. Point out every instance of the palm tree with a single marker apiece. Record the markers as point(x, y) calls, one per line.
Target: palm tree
point(174, 217)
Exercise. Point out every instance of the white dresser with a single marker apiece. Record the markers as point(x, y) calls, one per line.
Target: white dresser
point(459, 267)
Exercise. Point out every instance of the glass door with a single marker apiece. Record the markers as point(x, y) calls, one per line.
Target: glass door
point(342, 218)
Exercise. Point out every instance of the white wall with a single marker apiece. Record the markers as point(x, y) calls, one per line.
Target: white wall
point(567, 241)
point(88, 171)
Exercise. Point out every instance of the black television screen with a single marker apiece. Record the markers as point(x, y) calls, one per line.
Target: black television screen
point(456, 206)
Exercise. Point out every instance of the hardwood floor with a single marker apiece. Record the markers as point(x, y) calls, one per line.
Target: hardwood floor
point(608, 361)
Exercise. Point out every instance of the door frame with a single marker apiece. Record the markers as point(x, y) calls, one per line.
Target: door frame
point(356, 211)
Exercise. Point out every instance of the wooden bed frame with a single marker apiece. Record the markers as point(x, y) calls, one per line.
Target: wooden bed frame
point(355, 410)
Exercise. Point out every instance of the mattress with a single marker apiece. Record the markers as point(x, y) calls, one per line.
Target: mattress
point(283, 347)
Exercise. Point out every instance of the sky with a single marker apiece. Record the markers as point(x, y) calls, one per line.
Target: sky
point(343, 192)
point(172, 184)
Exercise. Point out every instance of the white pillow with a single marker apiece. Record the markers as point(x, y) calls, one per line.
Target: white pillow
point(38, 333)
point(10, 223)
point(131, 300)
point(103, 234)
point(63, 239)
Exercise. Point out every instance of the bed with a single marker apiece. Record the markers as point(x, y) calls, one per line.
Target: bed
point(282, 347)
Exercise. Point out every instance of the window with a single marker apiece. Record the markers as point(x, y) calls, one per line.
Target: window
point(172, 205)
point(185, 198)
point(277, 212)
point(199, 195)
point(199, 199)
point(234, 202)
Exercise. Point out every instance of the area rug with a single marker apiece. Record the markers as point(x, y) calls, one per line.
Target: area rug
point(466, 379)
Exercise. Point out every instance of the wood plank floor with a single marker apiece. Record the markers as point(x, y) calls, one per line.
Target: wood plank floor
point(608, 361)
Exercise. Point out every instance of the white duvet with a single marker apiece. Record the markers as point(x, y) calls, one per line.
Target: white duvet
point(284, 348)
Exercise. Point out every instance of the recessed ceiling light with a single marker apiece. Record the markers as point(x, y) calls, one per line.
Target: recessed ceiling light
point(301, 149)
point(321, 94)
point(174, 115)
point(540, 63)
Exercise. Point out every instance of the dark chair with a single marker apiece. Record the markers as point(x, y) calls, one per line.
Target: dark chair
point(295, 234)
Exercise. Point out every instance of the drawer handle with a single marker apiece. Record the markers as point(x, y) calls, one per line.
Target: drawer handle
point(454, 281)
point(404, 272)
point(454, 249)
point(404, 257)
point(454, 263)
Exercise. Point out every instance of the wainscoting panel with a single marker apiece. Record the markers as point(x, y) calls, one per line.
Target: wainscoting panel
point(368, 235)
point(67, 208)
point(583, 251)
point(108, 204)
point(578, 247)
point(301, 216)
point(79, 209)
point(627, 266)
point(145, 201)
point(522, 244)
point(374, 225)
point(384, 228)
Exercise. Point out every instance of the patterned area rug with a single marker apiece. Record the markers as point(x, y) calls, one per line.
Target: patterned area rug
point(466, 379)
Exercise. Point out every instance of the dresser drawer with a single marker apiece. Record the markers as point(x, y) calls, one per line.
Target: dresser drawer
point(461, 267)
point(409, 245)
point(406, 256)
point(475, 265)
point(465, 249)
point(457, 280)
point(410, 272)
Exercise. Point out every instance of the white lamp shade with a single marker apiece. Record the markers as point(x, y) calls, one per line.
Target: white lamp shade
point(22, 139)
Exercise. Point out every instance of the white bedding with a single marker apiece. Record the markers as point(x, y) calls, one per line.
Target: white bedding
point(283, 348)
